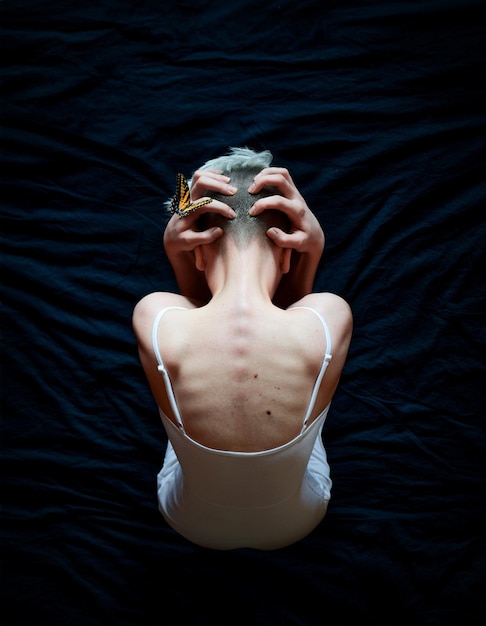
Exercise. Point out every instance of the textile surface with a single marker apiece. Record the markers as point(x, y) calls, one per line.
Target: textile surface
point(378, 111)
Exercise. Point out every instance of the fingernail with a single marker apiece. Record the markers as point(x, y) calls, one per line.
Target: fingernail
point(251, 210)
point(232, 190)
point(251, 187)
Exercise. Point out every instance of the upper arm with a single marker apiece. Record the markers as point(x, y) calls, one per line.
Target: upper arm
point(339, 319)
point(148, 307)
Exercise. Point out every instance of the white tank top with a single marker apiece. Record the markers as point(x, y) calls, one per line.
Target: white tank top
point(225, 499)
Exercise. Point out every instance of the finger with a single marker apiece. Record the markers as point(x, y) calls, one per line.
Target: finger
point(294, 210)
point(285, 240)
point(274, 177)
point(189, 239)
point(210, 181)
point(283, 171)
point(206, 236)
point(215, 207)
point(211, 173)
point(183, 227)
point(208, 174)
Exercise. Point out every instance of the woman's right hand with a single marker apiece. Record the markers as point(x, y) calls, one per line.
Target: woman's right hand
point(181, 235)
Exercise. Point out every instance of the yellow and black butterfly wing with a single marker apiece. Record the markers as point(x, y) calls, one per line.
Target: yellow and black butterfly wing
point(181, 202)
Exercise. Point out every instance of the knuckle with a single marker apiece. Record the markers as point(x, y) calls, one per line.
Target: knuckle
point(300, 212)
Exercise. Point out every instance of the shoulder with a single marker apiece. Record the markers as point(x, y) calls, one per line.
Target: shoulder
point(331, 306)
point(336, 313)
point(147, 309)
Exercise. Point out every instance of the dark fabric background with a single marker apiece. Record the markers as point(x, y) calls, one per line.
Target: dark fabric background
point(378, 110)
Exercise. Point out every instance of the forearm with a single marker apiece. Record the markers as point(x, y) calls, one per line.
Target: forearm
point(181, 237)
point(191, 282)
point(299, 281)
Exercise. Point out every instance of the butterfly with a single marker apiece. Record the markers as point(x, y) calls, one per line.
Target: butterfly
point(181, 202)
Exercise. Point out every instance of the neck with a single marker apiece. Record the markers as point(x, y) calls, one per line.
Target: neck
point(243, 275)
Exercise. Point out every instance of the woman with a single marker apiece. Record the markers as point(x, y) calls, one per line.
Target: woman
point(244, 385)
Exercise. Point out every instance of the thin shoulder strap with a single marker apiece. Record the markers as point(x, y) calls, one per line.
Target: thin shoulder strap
point(161, 366)
point(325, 362)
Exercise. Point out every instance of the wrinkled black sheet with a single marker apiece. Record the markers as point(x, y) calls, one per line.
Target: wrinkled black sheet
point(378, 111)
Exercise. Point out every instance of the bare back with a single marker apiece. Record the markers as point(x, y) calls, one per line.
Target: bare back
point(242, 376)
